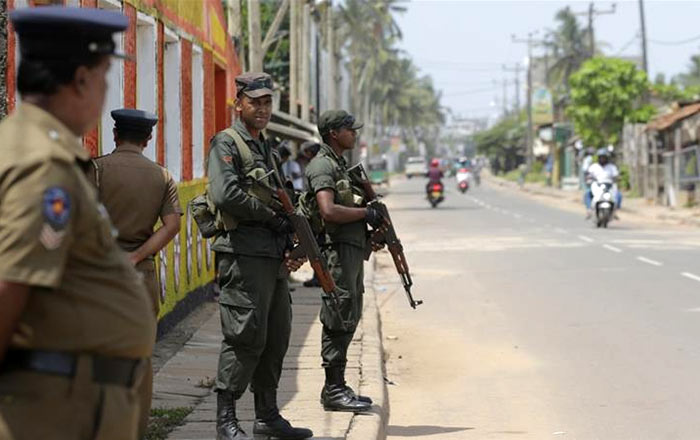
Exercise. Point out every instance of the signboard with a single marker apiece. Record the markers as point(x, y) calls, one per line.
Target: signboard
point(542, 109)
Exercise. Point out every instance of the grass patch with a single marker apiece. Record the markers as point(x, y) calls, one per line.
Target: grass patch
point(531, 177)
point(163, 421)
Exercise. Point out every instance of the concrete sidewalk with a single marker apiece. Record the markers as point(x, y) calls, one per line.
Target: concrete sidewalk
point(186, 379)
point(639, 208)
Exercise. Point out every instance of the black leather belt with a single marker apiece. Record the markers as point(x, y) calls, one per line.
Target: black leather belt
point(105, 370)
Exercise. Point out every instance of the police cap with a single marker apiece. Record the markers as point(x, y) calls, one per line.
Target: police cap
point(135, 121)
point(56, 32)
point(254, 84)
point(337, 119)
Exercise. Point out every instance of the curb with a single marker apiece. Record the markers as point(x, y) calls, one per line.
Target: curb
point(371, 425)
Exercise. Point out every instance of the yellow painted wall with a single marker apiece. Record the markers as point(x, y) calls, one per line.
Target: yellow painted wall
point(194, 265)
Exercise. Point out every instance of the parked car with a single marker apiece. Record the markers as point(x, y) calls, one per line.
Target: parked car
point(416, 166)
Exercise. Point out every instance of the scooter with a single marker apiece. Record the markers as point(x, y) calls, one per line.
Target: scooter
point(436, 193)
point(463, 180)
point(603, 202)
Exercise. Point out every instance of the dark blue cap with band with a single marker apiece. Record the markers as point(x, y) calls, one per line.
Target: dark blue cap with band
point(56, 32)
point(133, 120)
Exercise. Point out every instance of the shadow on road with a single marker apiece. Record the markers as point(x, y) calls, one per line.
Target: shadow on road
point(422, 430)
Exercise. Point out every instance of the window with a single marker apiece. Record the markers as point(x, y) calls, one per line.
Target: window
point(115, 90)
point(171, 98)
point(197, 113)
point(146, 86)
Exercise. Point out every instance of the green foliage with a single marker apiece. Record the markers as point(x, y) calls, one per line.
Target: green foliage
point(605, 93)
point(673, 92)
point(625, 183)
point(505, 140)
point(400, 99)
point(276, 61)
point(163, 421)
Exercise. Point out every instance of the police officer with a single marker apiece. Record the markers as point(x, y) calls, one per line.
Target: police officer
point(75, 320)
point(137, 192)
point(341, 206)
point(254, 301)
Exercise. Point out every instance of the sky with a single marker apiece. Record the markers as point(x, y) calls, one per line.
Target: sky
point(463, 44)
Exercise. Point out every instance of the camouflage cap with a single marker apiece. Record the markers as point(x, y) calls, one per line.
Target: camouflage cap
point(336, 119)
point(254, 84)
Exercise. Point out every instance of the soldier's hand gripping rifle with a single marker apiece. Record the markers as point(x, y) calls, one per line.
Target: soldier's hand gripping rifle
point(307, 247)
point(386, 235)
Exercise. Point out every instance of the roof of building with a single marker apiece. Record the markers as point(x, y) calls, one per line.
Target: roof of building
point(663, 122)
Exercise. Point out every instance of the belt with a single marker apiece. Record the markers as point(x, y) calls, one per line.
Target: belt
point(105, 370)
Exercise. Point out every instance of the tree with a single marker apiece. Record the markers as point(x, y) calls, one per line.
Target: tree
point(569, 48)
point(605, 93)
point(504, 142)
point(692, 77)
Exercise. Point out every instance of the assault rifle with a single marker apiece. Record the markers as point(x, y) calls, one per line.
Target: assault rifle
point(386, 235)
point(307, 247)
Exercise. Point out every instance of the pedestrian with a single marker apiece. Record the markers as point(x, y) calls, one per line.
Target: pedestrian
point(254, 302)
point(308, 151)
point(137, 192)
point(342, 206)
point(76, 323)
point(291, 169)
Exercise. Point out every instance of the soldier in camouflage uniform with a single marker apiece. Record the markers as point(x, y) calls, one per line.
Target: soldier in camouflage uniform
point(342, 206)
point(255, 305)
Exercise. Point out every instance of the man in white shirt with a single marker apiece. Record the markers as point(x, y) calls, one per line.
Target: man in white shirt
point(291, 168)
point(603, 172)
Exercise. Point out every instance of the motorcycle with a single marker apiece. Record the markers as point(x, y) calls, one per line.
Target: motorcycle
point(463, 180)
point(603, 202)
point(436, 193)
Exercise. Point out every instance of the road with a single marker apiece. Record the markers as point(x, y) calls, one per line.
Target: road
point(536, 325)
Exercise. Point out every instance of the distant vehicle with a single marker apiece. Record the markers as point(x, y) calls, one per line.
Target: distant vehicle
point(416, 166)
point(378, 173)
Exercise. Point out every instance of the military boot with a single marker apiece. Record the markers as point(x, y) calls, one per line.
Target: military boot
point(348, 390)
point(269, 422)
point(227, 427)
point(351, 392)
point(335, 395)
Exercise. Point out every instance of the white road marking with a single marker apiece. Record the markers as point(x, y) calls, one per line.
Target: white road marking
point(691, 276)
point(587, 239)
point(561, 231)
point(612, 248)
point(517, 216)
point(650, 261)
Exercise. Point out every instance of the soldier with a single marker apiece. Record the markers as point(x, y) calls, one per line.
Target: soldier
point(137, 192)
point(75, 320)
point(341, 206)
point(254, 302)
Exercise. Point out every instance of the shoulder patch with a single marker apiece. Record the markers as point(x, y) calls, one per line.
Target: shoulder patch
point(56, 207)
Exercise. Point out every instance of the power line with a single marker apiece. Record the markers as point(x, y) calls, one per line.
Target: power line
point(675, 43)
point(474, 92)
point(628, 44)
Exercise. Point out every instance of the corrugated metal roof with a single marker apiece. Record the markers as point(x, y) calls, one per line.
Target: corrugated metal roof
point(663, 122)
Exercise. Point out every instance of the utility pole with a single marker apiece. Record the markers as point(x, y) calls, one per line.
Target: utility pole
point(530, 41)
point(644, 37)
point(505, 93)
point(515, 70)
point(255, 57)
point(233, 8)
point(592, 13)
point(293, 58)
point(330, 48)
point(305, 65)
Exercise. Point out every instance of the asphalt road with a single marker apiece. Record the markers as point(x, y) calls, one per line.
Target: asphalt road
point(537, 325)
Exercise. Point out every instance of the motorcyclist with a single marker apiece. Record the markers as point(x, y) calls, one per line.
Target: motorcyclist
point(602, 172)
point(434, 175)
